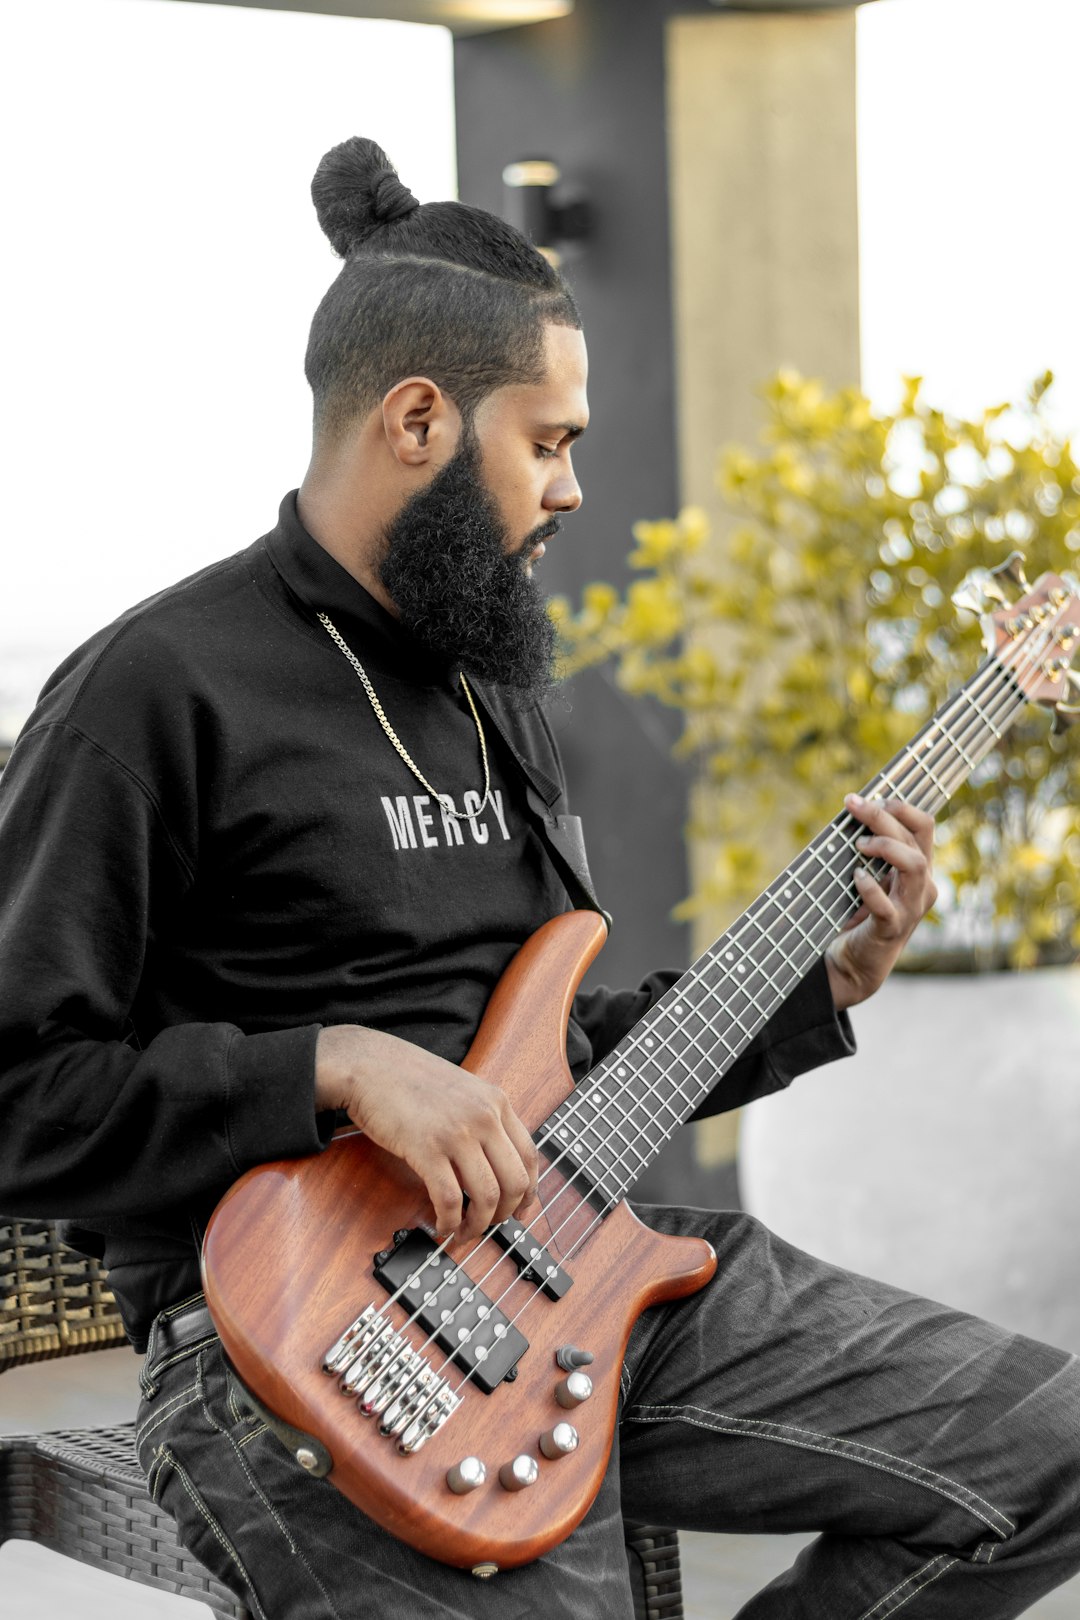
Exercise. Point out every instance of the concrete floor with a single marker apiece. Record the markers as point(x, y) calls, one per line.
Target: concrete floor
point(719, 1572)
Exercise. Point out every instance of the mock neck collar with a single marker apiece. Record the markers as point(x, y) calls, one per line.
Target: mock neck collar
point(322, 585)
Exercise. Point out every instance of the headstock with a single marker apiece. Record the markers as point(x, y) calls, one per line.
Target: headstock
point(1035, 636)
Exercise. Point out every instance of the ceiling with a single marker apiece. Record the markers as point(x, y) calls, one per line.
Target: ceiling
point(483, 16)
point(461, 16)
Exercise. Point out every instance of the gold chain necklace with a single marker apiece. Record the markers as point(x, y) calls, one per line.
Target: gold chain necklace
point(444, 799)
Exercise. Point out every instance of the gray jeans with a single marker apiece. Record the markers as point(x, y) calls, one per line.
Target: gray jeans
point(938, 1456)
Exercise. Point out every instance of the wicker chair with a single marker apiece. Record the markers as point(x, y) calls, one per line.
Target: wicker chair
point(81, 1492)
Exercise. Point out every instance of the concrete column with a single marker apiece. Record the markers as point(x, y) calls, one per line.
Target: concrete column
point(764, 231)
point(761, 122)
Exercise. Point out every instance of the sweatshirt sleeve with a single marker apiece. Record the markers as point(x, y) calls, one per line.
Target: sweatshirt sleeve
point(804, 1032)
point(94, 1126)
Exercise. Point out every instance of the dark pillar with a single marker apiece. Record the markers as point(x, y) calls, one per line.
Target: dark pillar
point(588, 92)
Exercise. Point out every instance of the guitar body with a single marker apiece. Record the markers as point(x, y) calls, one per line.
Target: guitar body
point(288, 1265)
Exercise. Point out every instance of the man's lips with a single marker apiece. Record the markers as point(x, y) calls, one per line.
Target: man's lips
point(535, 546)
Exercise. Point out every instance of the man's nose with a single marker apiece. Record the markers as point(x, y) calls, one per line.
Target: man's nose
point(564, 495)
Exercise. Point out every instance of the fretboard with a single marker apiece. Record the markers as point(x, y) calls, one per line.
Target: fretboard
point(618, 1118)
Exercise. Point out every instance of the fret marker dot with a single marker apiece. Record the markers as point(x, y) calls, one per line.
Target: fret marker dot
point(678, 1008)
point(731, 956)
point(563, 1132)
point(741, 968)
point(621, 1072)
point(649, 1041)
point(787, 894)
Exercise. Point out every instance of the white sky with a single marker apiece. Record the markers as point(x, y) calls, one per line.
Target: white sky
point(969, 156)
point(160, 280)
point(164, 260)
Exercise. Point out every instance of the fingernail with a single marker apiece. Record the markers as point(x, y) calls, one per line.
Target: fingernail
point(861, 843)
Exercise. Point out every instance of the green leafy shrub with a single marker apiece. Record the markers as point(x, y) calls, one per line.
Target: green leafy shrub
point(810, 641)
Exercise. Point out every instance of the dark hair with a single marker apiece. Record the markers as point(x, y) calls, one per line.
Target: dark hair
point(438, 289)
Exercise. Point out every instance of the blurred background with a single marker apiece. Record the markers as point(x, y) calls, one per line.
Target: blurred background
point(849, 193)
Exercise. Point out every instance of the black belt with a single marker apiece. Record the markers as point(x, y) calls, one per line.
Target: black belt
point(176, 1332)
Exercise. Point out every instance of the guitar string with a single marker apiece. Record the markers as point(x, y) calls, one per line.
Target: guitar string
point(448, 1361)
point(906, 758)
point(994, 670)
point(612, 1199)
point(912, 764)
point(825, 874)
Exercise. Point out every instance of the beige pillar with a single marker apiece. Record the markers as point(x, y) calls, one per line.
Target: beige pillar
point(761, 117)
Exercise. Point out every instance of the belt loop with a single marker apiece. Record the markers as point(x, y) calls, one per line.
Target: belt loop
point(174, 1333)
point(146, 1383)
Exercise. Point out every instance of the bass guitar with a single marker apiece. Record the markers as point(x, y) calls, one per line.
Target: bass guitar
point(465, 1398)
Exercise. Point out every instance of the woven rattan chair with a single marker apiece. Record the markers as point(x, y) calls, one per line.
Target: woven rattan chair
point(81, 1491)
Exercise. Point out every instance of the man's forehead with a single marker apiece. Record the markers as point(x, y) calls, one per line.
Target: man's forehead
point(559, 399)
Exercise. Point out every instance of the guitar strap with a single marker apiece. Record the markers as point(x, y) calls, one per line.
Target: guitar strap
point(560, 833)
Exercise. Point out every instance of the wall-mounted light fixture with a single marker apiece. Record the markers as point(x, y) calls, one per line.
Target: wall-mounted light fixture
point(552, 220)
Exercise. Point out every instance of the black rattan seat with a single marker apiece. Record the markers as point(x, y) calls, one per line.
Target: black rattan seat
point(81, 1492)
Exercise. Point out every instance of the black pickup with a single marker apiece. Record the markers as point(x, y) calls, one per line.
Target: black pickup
point(462, 1319)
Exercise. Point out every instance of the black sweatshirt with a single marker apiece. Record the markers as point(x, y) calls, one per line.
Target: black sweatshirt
point(209, 849)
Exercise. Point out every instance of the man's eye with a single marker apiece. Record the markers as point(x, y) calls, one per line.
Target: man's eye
point(546, 451)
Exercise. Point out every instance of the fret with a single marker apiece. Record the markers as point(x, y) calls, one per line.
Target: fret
point(832, 921)
point(642, 1159)
point(973, 700)
point(924, 765)
point(806, 938)
point(834, 877)
point(957, 747)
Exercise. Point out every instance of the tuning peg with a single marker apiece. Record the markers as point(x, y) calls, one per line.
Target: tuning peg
point(978, 592)
point(1013, 570)
point(1066, 714)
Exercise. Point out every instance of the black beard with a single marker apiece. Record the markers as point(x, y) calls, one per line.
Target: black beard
point(459, 592)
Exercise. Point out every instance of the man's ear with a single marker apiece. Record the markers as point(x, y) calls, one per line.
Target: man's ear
point(421, 423)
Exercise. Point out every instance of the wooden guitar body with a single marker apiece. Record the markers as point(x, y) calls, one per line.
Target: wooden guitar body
point(289, 1264)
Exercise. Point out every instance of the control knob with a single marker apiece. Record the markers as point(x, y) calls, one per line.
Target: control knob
point(573, 1389)
point(466, 1475)
point(524, 1470)
point(559, 1441)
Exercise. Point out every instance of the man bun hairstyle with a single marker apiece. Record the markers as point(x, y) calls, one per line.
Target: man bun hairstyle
point(435, 289)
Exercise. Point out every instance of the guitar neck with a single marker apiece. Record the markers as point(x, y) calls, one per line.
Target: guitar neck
point(619, 1117)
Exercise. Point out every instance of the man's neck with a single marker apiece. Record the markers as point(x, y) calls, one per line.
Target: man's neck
point(334, 514)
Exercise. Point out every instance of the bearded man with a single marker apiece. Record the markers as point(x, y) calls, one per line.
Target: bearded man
point(268, 843)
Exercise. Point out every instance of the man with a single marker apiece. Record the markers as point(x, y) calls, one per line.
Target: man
point(266, 846)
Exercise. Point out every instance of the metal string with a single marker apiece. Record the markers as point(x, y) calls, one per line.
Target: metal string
point(991, 674)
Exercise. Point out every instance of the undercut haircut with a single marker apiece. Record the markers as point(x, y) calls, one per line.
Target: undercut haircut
point(438, 289)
